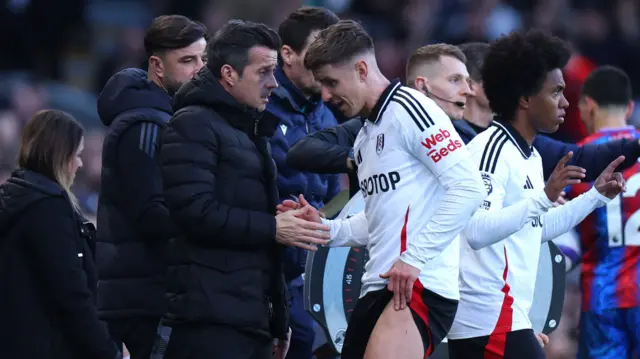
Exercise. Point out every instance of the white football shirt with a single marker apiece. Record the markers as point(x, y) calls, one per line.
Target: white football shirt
point(501, 244)
point(420, 188)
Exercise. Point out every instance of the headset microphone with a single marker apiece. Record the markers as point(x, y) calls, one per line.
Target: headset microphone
point(429, 94)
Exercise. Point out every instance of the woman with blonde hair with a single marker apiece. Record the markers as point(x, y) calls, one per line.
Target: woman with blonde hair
point(48, 281)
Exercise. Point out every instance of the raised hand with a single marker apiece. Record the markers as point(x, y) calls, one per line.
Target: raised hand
point(562, 177)
point(610, 183)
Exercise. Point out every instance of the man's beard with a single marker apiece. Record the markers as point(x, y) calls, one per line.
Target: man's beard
point(171, 86)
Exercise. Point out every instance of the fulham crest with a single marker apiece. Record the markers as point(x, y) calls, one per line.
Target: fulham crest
point(487, 183)
point(380, 143)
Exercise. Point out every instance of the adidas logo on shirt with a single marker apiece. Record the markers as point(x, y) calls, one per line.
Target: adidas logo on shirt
point(527, 184)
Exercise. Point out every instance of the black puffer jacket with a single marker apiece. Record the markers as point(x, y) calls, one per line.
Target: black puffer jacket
point(134, 226)
point(220, 187)
point(48, 279)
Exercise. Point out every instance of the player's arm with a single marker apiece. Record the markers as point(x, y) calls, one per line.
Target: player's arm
point(325, 151)
point(607, 186)
point(493, 222)
point(439, 147)
point(561, 219)
point(348, 232)
point(593, 157)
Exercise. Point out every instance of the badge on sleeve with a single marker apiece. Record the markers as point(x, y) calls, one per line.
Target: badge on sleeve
point(487, 183)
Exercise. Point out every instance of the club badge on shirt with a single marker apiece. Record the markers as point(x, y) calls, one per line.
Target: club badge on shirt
point(487, 183)
point(380, 143)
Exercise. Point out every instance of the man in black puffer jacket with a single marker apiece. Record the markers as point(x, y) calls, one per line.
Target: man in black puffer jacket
point(225, 282)
point(134, 225)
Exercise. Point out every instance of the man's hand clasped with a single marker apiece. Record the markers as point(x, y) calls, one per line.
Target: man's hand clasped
point(298, 224)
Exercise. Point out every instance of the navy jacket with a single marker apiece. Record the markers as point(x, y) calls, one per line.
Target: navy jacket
point(335, 143)
point(134, 226)
point(298, 117)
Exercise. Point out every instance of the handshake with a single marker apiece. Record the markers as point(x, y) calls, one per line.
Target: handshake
point(298, 224)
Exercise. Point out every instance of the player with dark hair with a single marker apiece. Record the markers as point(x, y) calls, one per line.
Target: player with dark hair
point(134, 226)
point(609, 237)
point(523, 81)
point(420, 187)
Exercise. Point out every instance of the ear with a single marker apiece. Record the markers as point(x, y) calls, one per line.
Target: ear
point(286, 52)
point(420, 84)
point(229, 75)
point(156, 66)
point(592, 106)
point(630, 108)
point(362, 69)
point(524, 102)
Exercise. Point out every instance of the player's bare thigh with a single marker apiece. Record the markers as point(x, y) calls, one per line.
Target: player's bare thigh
point(395, 336)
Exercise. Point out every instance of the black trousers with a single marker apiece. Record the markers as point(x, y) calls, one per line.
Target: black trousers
point(215, 342)
point(138, 334)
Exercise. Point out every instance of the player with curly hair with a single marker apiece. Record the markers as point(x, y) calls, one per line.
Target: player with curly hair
point(501, 244)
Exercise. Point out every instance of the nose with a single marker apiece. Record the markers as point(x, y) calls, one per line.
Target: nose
point(466, 89)
point(271, 82)
point(326, 95)
point(564, 103)
point(80, 164)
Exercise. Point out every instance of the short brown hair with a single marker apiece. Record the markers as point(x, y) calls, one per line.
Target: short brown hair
point(48, 144)
point(338, 43)
point(171, 32)
point(432, 53)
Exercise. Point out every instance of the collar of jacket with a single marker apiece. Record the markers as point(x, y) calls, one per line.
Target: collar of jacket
point(205, 90)
point(290, 94)
point(464, 129)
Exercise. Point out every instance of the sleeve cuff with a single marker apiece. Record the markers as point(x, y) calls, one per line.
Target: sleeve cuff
point(544, 201)
point(331, 224)
point(594, 194)
point(407, 258)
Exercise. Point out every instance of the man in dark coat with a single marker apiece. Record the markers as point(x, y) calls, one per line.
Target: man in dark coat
point(225, 282)
point(134, 225)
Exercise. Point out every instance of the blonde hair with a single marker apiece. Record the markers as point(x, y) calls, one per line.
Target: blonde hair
point(429, 54)
point(49, 143)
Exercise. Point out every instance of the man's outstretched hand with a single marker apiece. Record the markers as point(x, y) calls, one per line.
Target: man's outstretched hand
point(401, 278)
point(610, 183)
point(300, 225)
point(294, 231)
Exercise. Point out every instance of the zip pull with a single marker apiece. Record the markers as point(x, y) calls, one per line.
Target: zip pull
point(255, 127)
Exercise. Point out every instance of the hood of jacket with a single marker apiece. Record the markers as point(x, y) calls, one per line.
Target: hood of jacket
point(21, 190)
point(130, 89)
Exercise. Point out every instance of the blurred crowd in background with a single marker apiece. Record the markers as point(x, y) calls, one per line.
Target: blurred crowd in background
point(59, 54)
